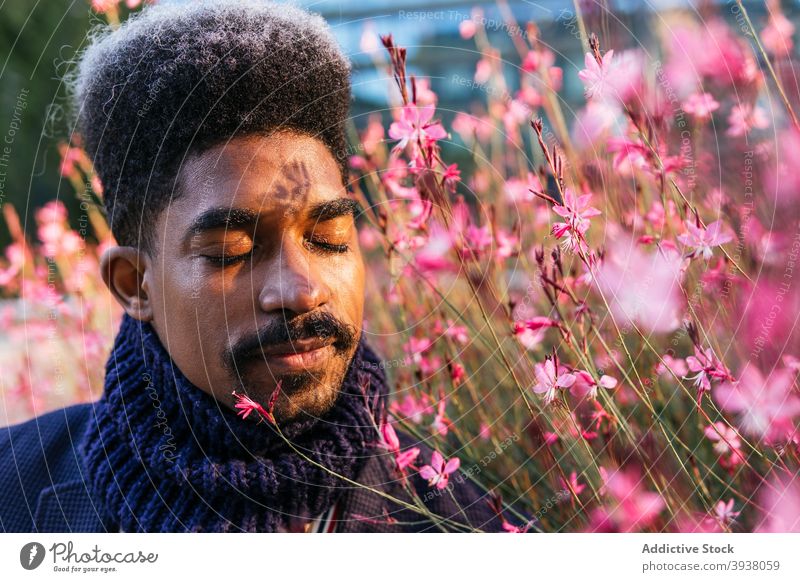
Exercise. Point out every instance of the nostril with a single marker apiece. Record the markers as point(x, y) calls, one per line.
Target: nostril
point(293, 282)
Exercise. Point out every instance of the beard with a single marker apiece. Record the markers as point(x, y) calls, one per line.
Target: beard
point(310, 394)
point(304, 394)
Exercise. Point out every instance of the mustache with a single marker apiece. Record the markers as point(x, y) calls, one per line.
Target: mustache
point(316, 325)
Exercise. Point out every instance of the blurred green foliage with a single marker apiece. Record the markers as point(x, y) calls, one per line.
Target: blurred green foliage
point(37, 42)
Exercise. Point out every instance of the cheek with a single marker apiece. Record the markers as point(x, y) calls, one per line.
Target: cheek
point(190, 317)
point(346, 282)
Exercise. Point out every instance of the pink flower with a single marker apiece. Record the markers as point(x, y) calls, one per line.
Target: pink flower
point(550, 438)
point(777, 35)
point(724, 436)
point(390, 437)
point(707, 367)
point(670, 365)
point(103, 6)
point(496, 503)
point(467, 28)
point(425, 96)
point(373, 136)
point(594, 124)
point(767, 407)
point(441, 424)
point(585, 385)
point(412, 408)
point(701, 105)
point(713, 51)
point(418, 346)
point(629, 154)
point(632, 507)
point(511, 528)
point(612, 79)
point(457, 373)
point(642, 287)
point(483, 71)
point(782, 180)
point(595, 76)
point(415, 127)
point(519, 191)
point(438, 472)
point(724, 512)
point(701, 240)
point(528, 337)
point(477, 239)
point(247, 405)
point(392, 443)
point(457, 332)
point(576, 486)
point(506, 244)
point(419, 211)
point(53, 211)
point(779, 501)
point(727, 444)
point(433, 255)
point(538, 322)
point(70, 159)
point(530, 64)
point(15, 253)
point(469, 127)
point(451, 176)
point(516, 112)
point(718, 520)
point(370, 42)
point(577, 212)
point(549, 382)
point(792, 363)
point(745, 117)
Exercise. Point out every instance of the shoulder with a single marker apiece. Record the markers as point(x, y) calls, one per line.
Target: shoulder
point(35, 455)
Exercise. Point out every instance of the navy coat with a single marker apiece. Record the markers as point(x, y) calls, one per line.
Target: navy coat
point(44, 488)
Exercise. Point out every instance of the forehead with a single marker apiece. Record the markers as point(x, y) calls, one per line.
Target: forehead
point(281, 173)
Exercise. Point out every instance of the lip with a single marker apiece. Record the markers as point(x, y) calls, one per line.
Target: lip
point(301, 354)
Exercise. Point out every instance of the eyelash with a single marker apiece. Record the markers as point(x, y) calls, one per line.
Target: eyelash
point(330, 248)
point(225, 261)
point(322, 246)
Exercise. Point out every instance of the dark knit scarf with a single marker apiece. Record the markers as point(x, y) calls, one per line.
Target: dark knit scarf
point(161, 455)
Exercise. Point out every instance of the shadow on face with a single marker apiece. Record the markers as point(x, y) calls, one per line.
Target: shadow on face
point(258, 276)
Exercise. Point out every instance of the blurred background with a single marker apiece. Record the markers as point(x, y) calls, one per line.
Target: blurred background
point(678, 122)
point(39, 40)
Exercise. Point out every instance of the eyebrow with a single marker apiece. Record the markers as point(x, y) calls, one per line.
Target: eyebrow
point(331, 209)
point(222, 217)
point(233, 218)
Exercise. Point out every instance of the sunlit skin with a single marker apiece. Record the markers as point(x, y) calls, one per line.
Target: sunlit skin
point(262, 237)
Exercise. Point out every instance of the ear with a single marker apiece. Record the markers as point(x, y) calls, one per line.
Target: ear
point(124, 272)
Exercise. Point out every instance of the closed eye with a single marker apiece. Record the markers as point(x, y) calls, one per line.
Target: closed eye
point(226, 260)
point(326, 247)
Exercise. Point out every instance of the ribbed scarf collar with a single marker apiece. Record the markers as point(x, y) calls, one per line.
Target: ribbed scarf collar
point(161, 455)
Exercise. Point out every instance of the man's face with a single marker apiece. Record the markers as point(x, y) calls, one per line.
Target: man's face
point(258, 276)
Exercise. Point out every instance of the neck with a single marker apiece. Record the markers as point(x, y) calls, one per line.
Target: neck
point(158, 438)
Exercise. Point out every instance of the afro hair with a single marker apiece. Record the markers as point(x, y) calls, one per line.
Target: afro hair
point(177, 79)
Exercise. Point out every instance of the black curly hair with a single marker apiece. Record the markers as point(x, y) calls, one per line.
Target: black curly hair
point(177, 79)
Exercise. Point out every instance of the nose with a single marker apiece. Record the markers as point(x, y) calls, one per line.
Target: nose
point(293, 282)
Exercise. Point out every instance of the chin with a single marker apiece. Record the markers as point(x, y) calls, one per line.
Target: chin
point(305, 394)
point(310, 401)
